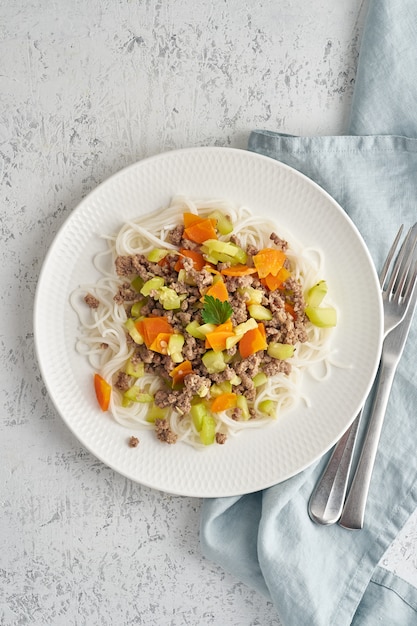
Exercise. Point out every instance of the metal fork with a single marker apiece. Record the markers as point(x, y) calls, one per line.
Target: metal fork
point(327, 500)
point(354, 510)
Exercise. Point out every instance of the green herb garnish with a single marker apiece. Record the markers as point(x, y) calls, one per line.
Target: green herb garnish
point(215, 311)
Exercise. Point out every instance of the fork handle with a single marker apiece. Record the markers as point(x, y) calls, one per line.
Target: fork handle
point(327, 500)
point(354, 510)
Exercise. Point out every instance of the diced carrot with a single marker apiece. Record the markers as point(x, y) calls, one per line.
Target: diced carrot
point(150, 327)
point(160, 343)
point(223, 402)
point(198, 260)
point(253, 341)
point(191, 218)
point(201, 231)
point(218, 290)
point(276, 282)
point(290, 309)
point(180, 372)
point(269, 261)
point(238, 270)
point(103, 392)
point(217, 339)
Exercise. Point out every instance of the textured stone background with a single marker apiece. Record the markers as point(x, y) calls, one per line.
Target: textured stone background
point(86, 89)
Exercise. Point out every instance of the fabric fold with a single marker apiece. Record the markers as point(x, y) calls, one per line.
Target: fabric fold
point(318, 575)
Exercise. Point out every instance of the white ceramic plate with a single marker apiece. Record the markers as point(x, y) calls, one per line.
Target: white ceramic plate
point(257, 458)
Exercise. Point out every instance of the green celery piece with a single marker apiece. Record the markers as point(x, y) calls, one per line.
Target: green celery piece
point(157, 254)
point(259, 312)
point(134, 394)
point(199, 332)
point(224, 224)
point(316, 294)
point(137, 283)
point(169, 298)
point(133, 331)
point(214, 362)
point(218, 388)
point(280, 351)
point(137, 308)
point(198, 413)
point(259, 379)
point(242, 404)
point(268, 407)
point(254, 296)
point(155, 413)
point(153, 284)
point(137, 370)
point(175, 345)
point(208, 430)
point(323, 317)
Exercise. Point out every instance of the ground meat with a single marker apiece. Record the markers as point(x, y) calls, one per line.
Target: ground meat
point(238, 304)
point(236, 414)
point(91, 301)
point(125, 293)
point(175, 235)
point(190, 349)
point(133, 442)
point(197, 385)
point(163, 431)
point(251, 250)
point(271, 366)
point(221, 438)
point(280, 243)
point(124, 266)
point(123, 381)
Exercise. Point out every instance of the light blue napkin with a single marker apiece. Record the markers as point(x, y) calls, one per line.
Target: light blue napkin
point(319, 575)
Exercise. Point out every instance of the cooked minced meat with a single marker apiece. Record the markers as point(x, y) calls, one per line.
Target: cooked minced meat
point(163, 431)
point(123, 381)
point(133, 442)
point(91, 301)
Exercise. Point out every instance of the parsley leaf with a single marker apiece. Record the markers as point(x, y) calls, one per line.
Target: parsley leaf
point(215, 311)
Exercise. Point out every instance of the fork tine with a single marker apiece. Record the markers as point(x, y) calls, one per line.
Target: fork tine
point(405, 283)
point(390, 256)
point(402, 264)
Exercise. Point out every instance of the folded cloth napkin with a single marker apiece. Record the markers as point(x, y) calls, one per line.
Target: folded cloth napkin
point(328, 575)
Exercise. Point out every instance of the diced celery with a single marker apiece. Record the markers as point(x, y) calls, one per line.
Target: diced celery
point(153, 284)
point(218, 388)
point(242, 404)
point(155, 413)
point(215, 245)
point(199, 332)
point(133, 331)
point(259, 379)
point(137, 370)
point(236, 380)
point(198, 413)
point(259, 312)
point(224, 224)
point(156, 255)
point(136, 308)
point(323, 317)
point(137, 283)
point(214, 361)
point(268, 407)
point(253, 296)
point(243, 328)
point(316, 294)
point(208, 430)
point(169, 298)
point(134, 394)
point(175, 345)
point(280, 350)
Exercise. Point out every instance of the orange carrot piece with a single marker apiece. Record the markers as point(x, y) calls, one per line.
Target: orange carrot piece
point(218, 290)
point(223, 402)
point(180, 372)
point(201, 231)
point(238, 270)
point(103, 392)
point(290, 309)
point(150, 327)
point(276, 282)
point(253, 341)
point(217, 339)
point(269, 261)
point(191, 218)
point(160, 343)
point(198, 260)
